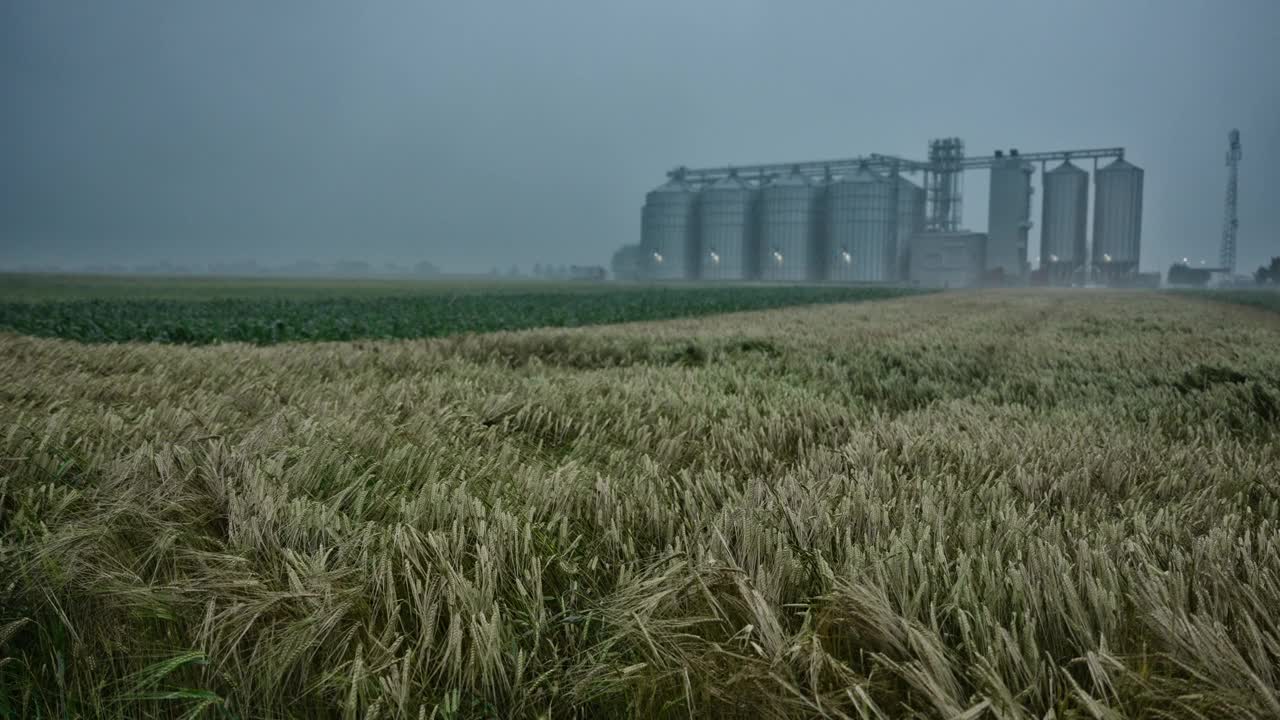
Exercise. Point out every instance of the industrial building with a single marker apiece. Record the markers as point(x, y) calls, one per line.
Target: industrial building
point(863, 219)
point(948, 259)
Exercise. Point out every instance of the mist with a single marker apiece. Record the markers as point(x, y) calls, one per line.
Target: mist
point(475, 135)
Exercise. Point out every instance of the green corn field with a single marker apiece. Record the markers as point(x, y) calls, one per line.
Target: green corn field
point(297, 311)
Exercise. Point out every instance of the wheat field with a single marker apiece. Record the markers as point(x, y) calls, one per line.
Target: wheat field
point(964, 505)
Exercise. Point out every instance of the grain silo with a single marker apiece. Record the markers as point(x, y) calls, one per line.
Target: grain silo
point(1063, 218)
point(726, 214)
point(1009, 216)
point(1117, 218)
point(860, 242)
point(668, 232)
point(794, 223)
point(789, 229)
point(911, 218)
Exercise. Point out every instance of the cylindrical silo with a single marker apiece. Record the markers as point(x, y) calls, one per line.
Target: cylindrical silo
point(911, 217)
point(861, 238)
point(1063, 218)
point(1117, 218)
point(788, 229)
point(1009, 217)
point(668, 232)
point(726, 230)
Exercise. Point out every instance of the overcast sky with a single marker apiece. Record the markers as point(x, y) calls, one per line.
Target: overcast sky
point(475, 134)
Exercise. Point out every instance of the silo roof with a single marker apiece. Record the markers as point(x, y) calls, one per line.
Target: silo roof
point(862, 174)
point(730, 182)
point(1120, 165)
point(794, 179)
point(674, 185)
point(1067, 167)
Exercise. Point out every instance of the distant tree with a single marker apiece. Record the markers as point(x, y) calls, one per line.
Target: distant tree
point(537, 270)
point(1269, 274)
point(587, 272)
point(304, 267)
point(514, 271)
point(235, 268)
point(426, 268)
point(351, 267)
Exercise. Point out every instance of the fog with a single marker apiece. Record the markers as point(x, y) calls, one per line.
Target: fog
point(483, 134)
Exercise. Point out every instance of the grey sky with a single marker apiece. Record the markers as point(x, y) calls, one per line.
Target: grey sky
point(477, 134)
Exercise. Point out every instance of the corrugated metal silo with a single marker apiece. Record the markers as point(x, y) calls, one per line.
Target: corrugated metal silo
point(911, 218)
point(1009, 217)
point(668, 232)
point(789, 229)
point(727, 230)
point(861, 235)
point(1064, 214)
point(1117, 218)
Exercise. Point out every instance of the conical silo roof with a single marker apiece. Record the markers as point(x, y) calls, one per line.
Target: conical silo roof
point(1068, 167)
point(674, 185)
point(729, 182)
point(792, 179)
point(863, 174)
point(1120, 165)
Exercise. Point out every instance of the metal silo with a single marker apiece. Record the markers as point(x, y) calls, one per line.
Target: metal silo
point(861, 238)
point(1009, 216)
point(1063, 218)
point(788, 229)
point(911, 218)
point(726, 230)
point(1117, 218)
point(668, 240)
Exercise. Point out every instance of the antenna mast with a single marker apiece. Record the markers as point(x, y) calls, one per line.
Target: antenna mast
point(1230, 223)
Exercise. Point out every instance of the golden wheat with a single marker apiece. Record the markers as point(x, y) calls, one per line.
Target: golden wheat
point(994, 504)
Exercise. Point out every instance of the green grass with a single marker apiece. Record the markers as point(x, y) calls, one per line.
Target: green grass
point(267, 312)
point(1265, 299)
point(29, 287)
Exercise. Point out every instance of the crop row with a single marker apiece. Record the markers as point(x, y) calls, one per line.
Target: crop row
point(266, 321)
